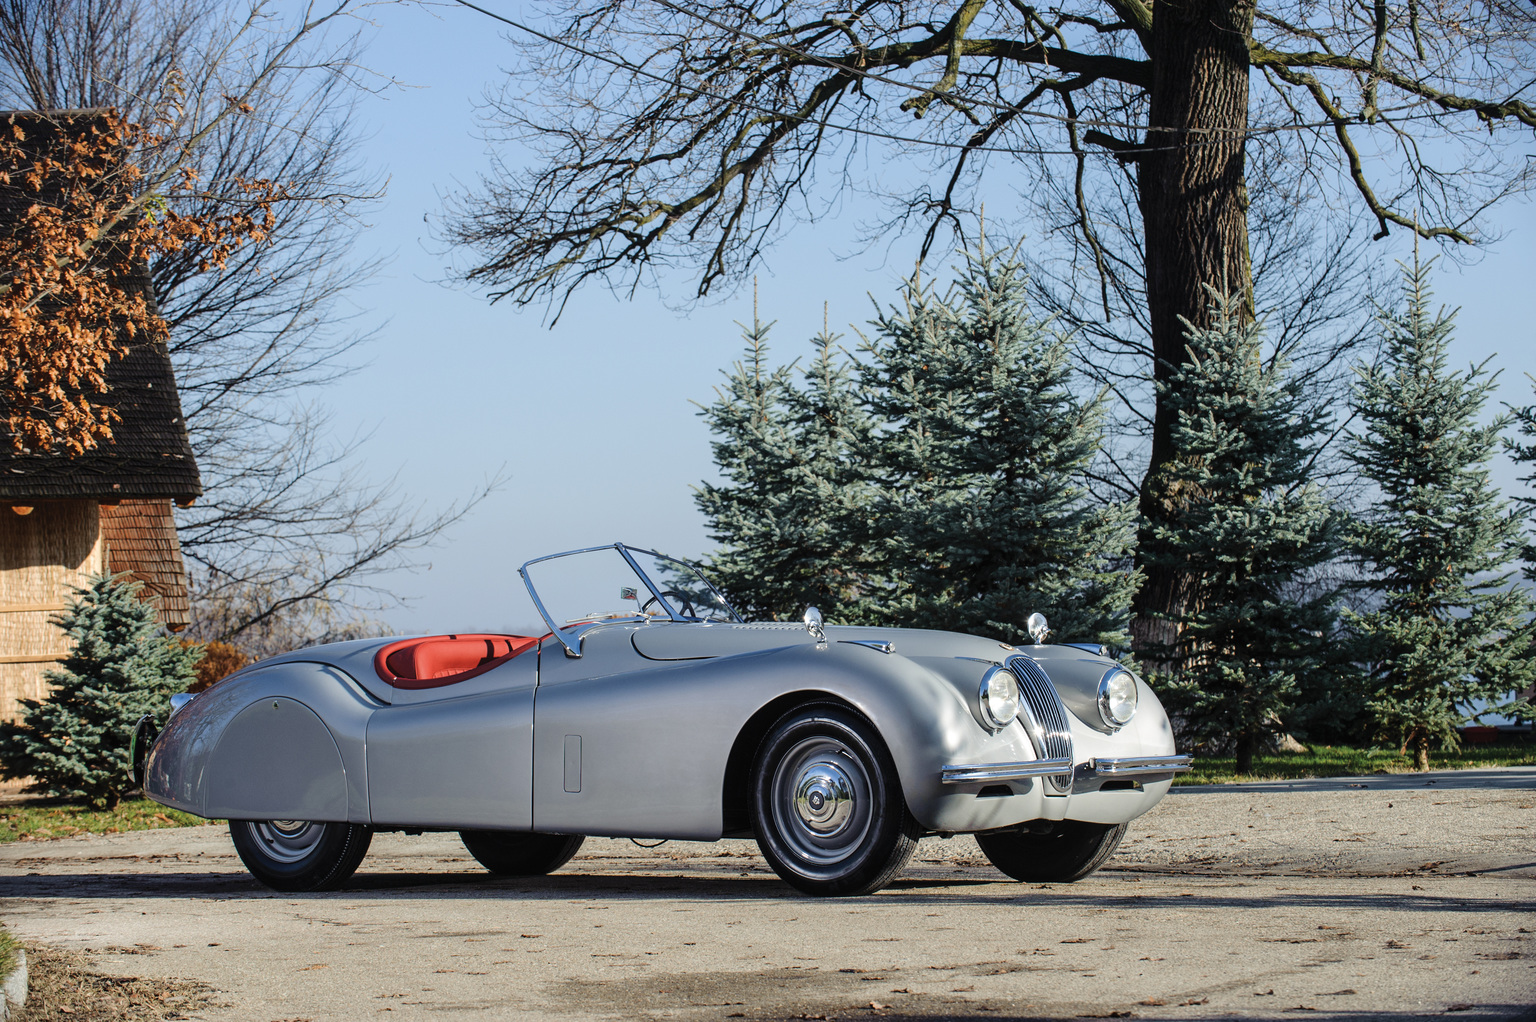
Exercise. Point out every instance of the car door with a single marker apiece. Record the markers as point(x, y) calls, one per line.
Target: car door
point(458, 757)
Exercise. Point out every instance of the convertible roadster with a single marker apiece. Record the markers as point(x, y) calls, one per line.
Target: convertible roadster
point(651, 710)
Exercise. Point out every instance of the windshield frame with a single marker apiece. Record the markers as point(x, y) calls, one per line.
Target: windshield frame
point(558, 631)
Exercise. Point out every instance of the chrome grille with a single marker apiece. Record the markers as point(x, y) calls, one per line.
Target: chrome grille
point(1046, 721)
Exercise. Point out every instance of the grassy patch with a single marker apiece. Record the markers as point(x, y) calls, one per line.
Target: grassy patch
point(50, 818)
point(8, 946)
point(1345, 761)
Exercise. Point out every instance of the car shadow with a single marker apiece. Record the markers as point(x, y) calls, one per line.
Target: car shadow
point(368, 886)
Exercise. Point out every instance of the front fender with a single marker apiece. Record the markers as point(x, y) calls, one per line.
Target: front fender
point(927, 722)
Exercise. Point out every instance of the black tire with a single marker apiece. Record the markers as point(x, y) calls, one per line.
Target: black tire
point(292, 855)
point(1069, 852)
point(520, 854)
point(827, 806)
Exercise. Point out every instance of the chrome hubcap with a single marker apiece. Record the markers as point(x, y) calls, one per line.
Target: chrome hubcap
point(822, 800)
point(288, 840)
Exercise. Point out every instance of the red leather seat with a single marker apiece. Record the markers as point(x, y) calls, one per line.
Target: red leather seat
point(438, 660)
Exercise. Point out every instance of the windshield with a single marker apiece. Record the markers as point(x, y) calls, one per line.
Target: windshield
point(613, 582)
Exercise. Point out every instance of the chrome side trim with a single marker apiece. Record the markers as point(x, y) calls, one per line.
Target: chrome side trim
point(1133, 766)
point(1004, 771)
point(881, 645)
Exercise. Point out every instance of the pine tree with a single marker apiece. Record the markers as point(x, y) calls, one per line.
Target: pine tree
point(1252, 527)
point(792, 487)
point(75, 743)
point(983, 463)
point(1436, 544)
point(1524, 706)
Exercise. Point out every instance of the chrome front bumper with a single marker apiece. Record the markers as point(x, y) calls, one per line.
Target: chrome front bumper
point(1130, 766)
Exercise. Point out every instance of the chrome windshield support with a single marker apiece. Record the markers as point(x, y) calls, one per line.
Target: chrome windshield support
point(661, 601)
point(1140, 766)
point(1005, 771)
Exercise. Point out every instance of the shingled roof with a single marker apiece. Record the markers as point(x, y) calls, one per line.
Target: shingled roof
point(149, 455)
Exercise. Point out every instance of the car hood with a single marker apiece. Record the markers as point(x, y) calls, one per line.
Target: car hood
point(1074, 672)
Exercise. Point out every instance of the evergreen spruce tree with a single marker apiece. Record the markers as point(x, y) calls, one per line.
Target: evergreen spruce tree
point(986, 514)
point(1253, 525)
point(75, 743)
point(792, 486)
point(1436, 545)
point(1524, 453)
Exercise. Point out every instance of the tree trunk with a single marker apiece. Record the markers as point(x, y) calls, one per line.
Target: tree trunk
point(1247, 746)
point(1421, 749)
point(1194, 207)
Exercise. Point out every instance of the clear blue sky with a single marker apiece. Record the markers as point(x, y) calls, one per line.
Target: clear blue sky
point(593, 418)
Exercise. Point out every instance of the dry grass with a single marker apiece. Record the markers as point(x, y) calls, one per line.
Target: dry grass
point(64, 986)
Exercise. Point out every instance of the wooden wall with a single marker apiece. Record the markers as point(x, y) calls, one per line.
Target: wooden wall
point(42, 555)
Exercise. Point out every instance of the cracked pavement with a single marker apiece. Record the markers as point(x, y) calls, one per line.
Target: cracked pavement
point(1336, 901)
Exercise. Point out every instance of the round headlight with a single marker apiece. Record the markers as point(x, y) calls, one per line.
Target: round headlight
point(1117, 697)
point(999, 697)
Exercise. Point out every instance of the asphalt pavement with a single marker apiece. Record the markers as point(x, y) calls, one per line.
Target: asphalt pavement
point(1341, 902)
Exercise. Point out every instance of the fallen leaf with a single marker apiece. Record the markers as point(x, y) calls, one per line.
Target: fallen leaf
point(878, 1006)
point(1152, 1001)
point(317, 965)
point(1266, 993)
point(1078, 940)
point(1186, 1004)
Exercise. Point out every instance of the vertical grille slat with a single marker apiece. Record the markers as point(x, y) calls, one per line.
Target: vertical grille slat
point(1050, 716)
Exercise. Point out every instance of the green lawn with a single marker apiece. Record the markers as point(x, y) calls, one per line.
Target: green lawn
point(50, 818)
point(1344, 761)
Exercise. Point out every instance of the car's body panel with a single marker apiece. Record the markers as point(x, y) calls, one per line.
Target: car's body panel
point(461, 759)
point(191, 767)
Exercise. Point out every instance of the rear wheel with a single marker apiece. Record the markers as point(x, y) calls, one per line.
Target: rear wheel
point(515, 853)
point(826, 804)
point(1069, 852)
point(298, 855)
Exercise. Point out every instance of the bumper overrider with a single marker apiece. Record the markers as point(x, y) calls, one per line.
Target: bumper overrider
point(1141, 768)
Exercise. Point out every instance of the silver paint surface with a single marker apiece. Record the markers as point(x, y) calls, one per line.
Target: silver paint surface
point(655, 709)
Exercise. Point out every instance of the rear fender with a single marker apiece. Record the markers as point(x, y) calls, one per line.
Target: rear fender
point(278, 742)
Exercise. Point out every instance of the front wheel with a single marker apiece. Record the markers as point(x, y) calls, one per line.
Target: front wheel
point(826, 804)
point(513, 853)
point(297, 855)
point(1069, 852)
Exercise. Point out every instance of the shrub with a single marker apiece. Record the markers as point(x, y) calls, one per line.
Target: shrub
point(75, 743)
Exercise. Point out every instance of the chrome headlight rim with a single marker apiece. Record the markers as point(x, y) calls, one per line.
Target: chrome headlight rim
point(1109, 703)
point(999, 697)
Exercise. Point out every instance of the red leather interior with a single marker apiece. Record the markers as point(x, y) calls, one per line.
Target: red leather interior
point(439, 660)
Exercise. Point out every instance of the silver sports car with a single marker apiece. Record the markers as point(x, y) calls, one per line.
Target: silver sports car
point(651, 710)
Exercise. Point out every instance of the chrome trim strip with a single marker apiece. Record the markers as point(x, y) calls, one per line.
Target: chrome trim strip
point(1004, 771)
point(1131, 766)
point(880, 644)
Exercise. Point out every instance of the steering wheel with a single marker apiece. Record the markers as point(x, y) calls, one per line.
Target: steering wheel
point(680, 601)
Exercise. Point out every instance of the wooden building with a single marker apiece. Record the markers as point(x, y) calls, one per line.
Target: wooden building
point(63, 518)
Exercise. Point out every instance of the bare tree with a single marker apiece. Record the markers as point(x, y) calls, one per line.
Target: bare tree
point(288, 533)
point(673, 134)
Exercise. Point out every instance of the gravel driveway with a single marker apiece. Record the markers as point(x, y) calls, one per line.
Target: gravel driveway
point(1329, 900)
